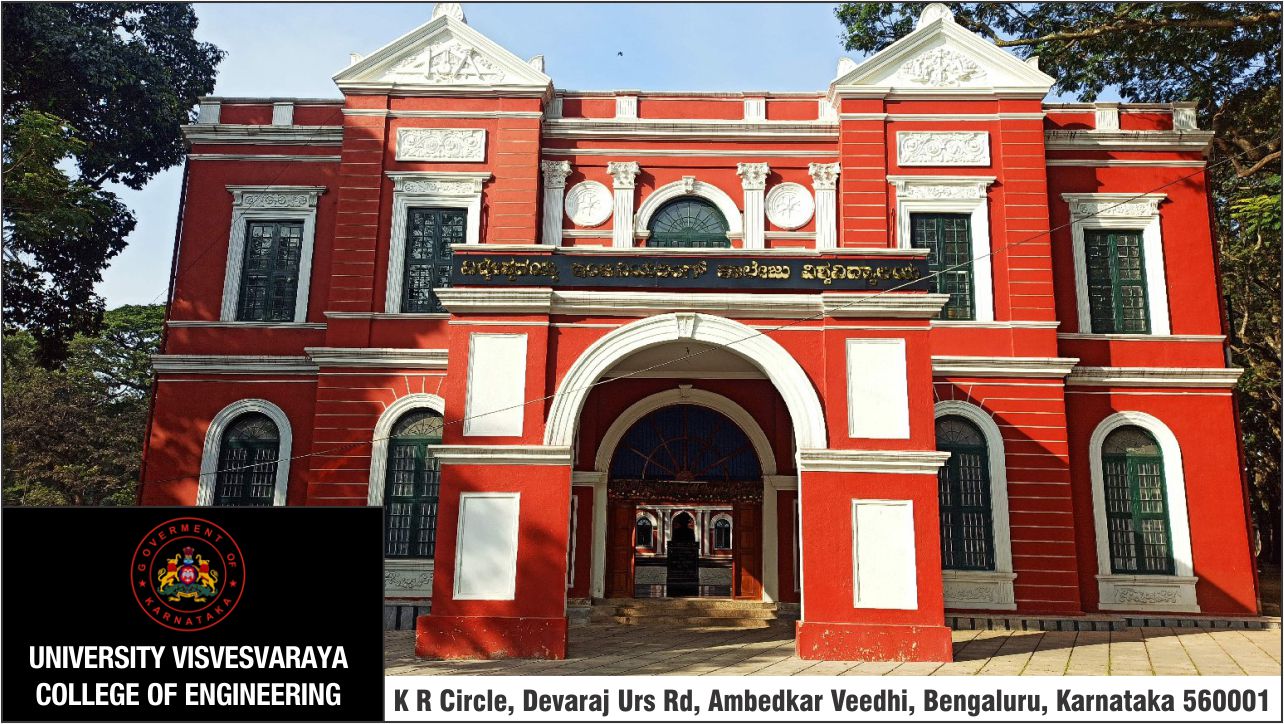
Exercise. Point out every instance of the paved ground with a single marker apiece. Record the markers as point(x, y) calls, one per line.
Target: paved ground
point(610, 649)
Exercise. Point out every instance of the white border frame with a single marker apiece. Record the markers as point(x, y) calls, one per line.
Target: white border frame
point(913, 552)
point(383, 432)
point(242, 215)
point(1116, 589)
point(689, 186)
point(1118, 211)
point(214, 441)
point(509, 595)
point(731, 531)
point(456, 190)
point(971, 196)
point(997, 583)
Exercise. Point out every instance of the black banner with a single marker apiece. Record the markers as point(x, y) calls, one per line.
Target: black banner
point(192, 614)
point(578, 271)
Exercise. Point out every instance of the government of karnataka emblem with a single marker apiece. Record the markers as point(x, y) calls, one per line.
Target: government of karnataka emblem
point(187, 576)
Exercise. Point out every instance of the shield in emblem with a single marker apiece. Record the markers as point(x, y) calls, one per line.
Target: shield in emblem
point(187, 574)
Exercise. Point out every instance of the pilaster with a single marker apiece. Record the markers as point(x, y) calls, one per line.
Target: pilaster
point(753, 179)
point(623, 181)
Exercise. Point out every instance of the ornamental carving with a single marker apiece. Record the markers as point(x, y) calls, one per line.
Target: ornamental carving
point(940, 191)
point(1140, 207)
point(623, 173)
point(438, 186)
point(1126, 594)
point(973, 594)
point(673, 491)
point(449, 61)
point(941, 68)
point(276, 201)
point(824, 176)
point(588, 203)
point(943, 148)
point(441, 144)
point(407, 580)
point(790, 205)
point(753, 176)
point(555, 173)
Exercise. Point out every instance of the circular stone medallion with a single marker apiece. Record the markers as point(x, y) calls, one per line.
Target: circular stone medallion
point(588, 203)
point(789, 205)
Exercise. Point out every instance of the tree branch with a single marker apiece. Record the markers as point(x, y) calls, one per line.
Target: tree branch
point(1136, 25)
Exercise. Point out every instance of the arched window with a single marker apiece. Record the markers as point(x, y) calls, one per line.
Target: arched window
point(963, 483)
point(1132, 467)
point(688, 222)
point(247, 461)
point(645, 533)
point(687, 443)
point(722, 534)
point(411, 486)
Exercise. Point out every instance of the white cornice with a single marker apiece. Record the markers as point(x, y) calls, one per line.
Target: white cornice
point(1219, 377)
point(220, 324)
point(1166, 338)
point(382, 113)
point(1128, 140)
point(647, 251)
point(958, 366)
point(501, 454)
point(687, 153)
point(377, 357)
point(264, 157)
point(264, 135)
point(908, 462)
point(232, 364)
point(475, 300)
point(687, 128)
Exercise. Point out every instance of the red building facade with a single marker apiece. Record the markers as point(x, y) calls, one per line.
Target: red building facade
point(923, 342)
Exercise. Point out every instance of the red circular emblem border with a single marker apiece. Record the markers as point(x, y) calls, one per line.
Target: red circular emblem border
point(229, 540)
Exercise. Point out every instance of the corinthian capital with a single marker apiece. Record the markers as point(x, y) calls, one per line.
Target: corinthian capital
point(753, 176)
point(623, 173)
point(823, 175)
point(555, 173)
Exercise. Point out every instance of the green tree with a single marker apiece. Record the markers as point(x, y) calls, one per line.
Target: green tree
point(1226, 58)
point(74, 436)
point(93, 94)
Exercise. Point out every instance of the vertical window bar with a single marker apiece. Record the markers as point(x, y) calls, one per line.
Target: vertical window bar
point(270, 272)
point(948, 239)
point(1117, 297)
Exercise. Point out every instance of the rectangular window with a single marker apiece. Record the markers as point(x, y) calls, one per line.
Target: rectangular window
point(948, 239)
point(1116, 282)
point(429, 234)
point(1137, 514)
point(270, 274)
point(410, 503)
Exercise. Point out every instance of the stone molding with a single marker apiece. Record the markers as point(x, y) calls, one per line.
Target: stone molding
point(413, 358)
point(943, 148)
point(1037, 367)
point(1213, 377)
point(502, 454)
point(907, 462)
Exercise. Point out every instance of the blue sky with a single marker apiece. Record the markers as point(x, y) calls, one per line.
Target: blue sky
point(292, 49)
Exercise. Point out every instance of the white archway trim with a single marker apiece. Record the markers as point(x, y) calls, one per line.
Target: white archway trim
point(724, 405)
point(805, 412)
point(688, 186)
point(985, 589)
point(383, 431)
point(713, 539)
point(1130, 592)
point(214, 441)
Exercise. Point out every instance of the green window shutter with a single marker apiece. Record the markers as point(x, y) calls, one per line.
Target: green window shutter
point(1116, 282)
point(247, 462)
point(948, 239)
point(412, 487)
point(429, 234)
point(963, 484)
point(1137, 524)
point(270, 272)
point(688, 222)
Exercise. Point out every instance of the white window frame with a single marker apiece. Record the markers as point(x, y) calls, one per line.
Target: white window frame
point(713, 533)
point(1136, 212)
point(655, 531)
point(508, 589)
point(990, 590)
point(269, 203)
point(428, 189)
point(214, 443)
point(952, 195)
point(1144, 592)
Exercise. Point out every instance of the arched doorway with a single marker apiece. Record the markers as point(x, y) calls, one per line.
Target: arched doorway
point(687, 466)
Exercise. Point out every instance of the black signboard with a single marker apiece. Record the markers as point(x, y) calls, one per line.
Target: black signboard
point(582, 271)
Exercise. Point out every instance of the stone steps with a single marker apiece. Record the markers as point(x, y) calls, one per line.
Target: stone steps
point(686, 613)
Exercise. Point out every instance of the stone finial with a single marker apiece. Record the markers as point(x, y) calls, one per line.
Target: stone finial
point(845, 66)
point(537, 63)
point(933, 12)
point(452, 10)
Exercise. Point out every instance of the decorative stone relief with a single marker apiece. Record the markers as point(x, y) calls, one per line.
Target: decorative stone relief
point(555, 173)
point(824, 176)
point(449, 61)
point(940, 191)
point(451, 10)
point(941, 68)
point(588, 203)
point(943, 148)
point(753, 175)
point(404, 580)
point(688, 184)
point(441, 144)
point(1127, 594)
point(276, 200)
point(973, 594)
point(790, 205)
point(1105, 207)
point(439, 186)
point(623, 173)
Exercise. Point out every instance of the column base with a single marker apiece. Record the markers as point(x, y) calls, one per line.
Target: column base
point(873, 642)
point(490, 637)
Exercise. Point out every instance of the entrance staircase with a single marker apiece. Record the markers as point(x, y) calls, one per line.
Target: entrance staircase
point(719, 613)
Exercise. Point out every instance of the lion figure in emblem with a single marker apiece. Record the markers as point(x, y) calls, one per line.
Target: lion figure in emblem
point(187, 575)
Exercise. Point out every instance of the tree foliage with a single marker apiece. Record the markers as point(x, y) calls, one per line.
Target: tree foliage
point(74, 436)
point(1226, 58)
point(93, 93)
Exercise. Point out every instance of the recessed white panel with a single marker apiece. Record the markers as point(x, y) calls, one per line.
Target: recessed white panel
point(486, 548)
point(877, 390)
point(496, 385)
point(884, 571)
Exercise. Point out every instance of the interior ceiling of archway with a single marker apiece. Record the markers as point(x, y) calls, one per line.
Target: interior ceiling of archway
point(709, 361)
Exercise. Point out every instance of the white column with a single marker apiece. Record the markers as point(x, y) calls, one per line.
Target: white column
point(753, 179)
point(597, 580)
point(770, 543)
point(555, 173)
point(824, 181)
point(623, 177)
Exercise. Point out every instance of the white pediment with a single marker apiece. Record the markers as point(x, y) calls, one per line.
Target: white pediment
point(940, 57)
point(442, 55)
